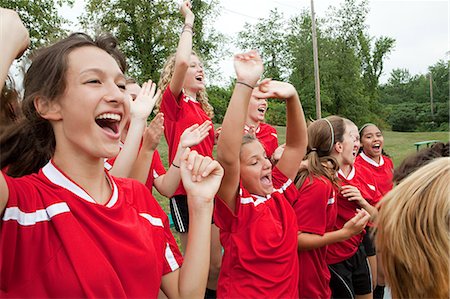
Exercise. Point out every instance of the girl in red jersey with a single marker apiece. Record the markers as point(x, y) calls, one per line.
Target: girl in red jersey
point(316, 207)
point(350, 271)
point(184, 103)
point(68, 228)
point(372, 157)
point(253, 207)
point(380, 167)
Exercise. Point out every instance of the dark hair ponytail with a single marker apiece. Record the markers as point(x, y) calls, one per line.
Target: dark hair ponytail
point(29, 144)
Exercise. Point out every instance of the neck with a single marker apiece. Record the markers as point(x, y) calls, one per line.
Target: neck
point(89, 174)
point(191, 93)
point(346, 169)
point(250, 122)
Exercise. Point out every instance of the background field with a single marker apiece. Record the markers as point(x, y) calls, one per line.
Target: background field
point(397, 144)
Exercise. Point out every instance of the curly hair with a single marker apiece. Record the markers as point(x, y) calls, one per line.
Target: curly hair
point(166, 76)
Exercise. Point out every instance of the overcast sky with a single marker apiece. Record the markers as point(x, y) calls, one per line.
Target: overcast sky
point(420, 28)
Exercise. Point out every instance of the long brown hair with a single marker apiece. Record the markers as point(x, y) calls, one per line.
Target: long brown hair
point(413, 233)
point(322, 135)
point(30, 143)
point(164, 80)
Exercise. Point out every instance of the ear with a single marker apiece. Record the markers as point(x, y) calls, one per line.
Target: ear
point(338, 147)
point(50, 110)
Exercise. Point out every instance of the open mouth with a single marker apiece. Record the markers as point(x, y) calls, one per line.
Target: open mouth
point(376, 146)
point(109, 122)
point(199, 78)
point(262, 109)
point(266, 180)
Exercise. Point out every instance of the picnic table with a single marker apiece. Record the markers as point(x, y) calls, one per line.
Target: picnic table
point(426, 142)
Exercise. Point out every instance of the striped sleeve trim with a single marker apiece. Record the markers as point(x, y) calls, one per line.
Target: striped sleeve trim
point(170, 257)
point(153, 220)
point(27, 219)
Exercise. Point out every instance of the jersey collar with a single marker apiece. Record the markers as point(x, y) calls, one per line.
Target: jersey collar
point(372, 162)
point(58, 178)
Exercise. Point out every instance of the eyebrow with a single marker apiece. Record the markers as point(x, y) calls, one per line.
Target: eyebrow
point(119, 75)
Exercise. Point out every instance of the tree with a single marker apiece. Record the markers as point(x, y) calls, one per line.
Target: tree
point(41, 18)
point(268, 36)
point(148, 31)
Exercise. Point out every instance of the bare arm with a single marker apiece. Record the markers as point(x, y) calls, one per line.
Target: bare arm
point(201, 178)
point(184, 50)
point(14, 40)
point(296, 133)
point(248, 68)
point(150, 141)
point(308, 241)
point(140, 109)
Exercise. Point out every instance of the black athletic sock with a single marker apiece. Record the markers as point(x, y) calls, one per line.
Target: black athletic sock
point(210, 294)
point(378, 293)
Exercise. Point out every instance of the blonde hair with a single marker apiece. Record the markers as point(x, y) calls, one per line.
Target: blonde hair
point(164, 80)
point(413, 233)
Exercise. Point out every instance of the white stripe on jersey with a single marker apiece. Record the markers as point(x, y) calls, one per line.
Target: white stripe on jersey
point(26, 219)
point(330, 201)
point(170, 257)
point(153, 220)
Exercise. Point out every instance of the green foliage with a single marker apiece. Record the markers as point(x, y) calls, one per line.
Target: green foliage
point(148, 31)
point(408, 94)
point(219, 97)
point(41, 19)
point(268, 36)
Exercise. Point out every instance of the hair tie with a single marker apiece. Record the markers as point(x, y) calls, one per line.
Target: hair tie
point(332, 134)
point(313, 149)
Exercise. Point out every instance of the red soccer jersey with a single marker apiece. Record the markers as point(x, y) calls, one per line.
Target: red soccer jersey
point(383, 172)
point(156, 168)
point(260, 243)
point(338, 252)
point(268, 137)
point(56, 241)
point(316, 211)
point(179, 115)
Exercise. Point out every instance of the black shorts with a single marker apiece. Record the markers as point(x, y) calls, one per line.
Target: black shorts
point(180, 213)
point(351, 277)
point(369, 243)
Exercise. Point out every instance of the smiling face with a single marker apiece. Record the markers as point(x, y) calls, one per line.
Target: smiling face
point(372, 141)
point(195, 77)
point(255, 169)
point(256, 110)
point(92, 108)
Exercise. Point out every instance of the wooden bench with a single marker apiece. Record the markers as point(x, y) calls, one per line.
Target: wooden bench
point(427, 143)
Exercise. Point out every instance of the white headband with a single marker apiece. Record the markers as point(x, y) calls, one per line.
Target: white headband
point(332, 133)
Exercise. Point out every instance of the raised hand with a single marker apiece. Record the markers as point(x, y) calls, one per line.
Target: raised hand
point(201, 177)
point(186, 9)
point(249, 67)
point(356, 224)
point(195, 134)
point(14, 34)
point(268, 88)
point(153, 132)
point(143, 105)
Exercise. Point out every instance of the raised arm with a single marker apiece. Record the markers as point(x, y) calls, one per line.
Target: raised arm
point(167, 184)
point(184, 50)
point(201, 178)
point(14, 40)
point(150, 140)
point(296, 134)
point(140, 109)
point(249, 68)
